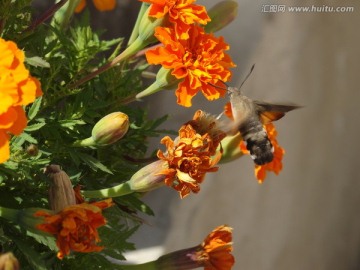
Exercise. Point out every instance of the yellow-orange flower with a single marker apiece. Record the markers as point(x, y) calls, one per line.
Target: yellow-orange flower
point(216, 250)
point(18, 89)
point(276, 164)
point(101, 5)
point(182, 13)
point(200, 62)
point(75, 227)
point(192, 154)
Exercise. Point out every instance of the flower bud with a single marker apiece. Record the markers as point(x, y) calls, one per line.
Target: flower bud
point(221, 15)
point(146, 179)
point(231, 148)
point(9, 262)
point(61, 192)
point(110, 128)
point(32, 150)
point(149, 178)
point(147, 27)
point(164, 81)
point(24, 218)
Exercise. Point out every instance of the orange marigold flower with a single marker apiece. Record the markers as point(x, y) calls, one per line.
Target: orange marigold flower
point(18, 89)
point(205, 123)
point(75, 227)
point(276, 164)
point(182, 13)
point(192, 154)
point(101, 5)
point(213, 254)
point(199, 61)
point(216, 249)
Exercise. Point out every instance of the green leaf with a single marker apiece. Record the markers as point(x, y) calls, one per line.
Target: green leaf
point(45, 240)
point(71, 123)
point(34, 109)
point(28, 138)
point(33, 257)
point(94, 163)
point(17, 141)
point(34, 127)
point(37, 61)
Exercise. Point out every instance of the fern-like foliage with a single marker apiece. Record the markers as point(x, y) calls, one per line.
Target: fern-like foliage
point(56, 120)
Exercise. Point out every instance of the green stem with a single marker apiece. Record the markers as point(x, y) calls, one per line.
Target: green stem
point(152, 89)
point(83, 143)
point(46, 15)
point(23, 217)
point(64, 15)
point(164, 81)
point(9, 214)
point(135, 31)
point(137, 45)
point(116, 191)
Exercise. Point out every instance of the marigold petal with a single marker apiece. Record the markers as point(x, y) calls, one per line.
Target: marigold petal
point(28, 89)
point(260, 173)
point(211, 93)
point(8, 86)
point(185, 94)
point(8, 118)
point(159, 55)
point(158, 10)
point(69, 224)
point(6, 54)
point(5, 103)
point(38, 92)
point(104, 203)
point(20, 123)
point(228, 111)
point(182, 29)
point(4, 147)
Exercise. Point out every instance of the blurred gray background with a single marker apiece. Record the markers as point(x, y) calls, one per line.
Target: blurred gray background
point(308, 216)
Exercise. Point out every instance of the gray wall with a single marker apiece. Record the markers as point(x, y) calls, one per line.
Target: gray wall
point(307, 217)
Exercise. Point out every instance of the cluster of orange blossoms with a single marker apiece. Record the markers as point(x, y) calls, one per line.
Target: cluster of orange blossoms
point(192, 154)
point(75, 227)
point(18, 88)
point(195, 57)
point(276, 164)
